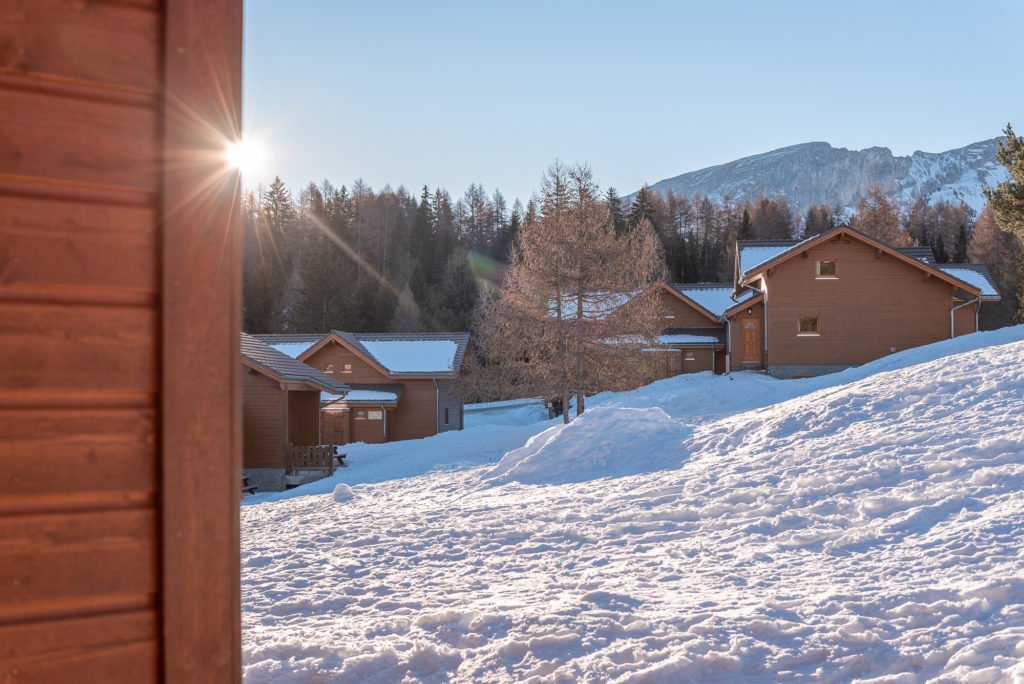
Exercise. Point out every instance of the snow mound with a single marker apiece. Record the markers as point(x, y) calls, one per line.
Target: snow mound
point(343, 493)
point(603, 442)
point(871, 530)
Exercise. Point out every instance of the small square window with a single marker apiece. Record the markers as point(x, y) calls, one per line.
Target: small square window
point(689, 356)
point(347, 367)
point(807, 325)
point(827, 269)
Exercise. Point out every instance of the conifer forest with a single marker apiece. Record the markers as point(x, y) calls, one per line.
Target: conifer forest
point(353, 258)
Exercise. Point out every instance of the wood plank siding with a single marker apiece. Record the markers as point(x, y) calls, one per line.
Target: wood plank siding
point(416, 415)
point(304, 417)
point(263, 421)
point(964, 319)
point(875, 301)
point(677, 313)
point(119, 319)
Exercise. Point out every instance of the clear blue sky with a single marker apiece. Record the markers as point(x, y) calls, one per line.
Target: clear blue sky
point(452, 93)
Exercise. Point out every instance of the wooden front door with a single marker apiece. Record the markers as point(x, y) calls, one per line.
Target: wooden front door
point(751, 340)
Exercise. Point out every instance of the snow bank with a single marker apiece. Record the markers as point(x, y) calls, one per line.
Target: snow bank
point(867, 527)
point(603, 442)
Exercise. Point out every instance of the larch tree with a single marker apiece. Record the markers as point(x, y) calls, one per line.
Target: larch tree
point(1007, 198)
point(879, 217)
point(576, 304)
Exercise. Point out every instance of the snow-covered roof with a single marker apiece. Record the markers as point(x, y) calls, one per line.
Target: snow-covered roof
point(716, 298)
point(753, 253)
point(284, 367)
point(411, 353)
point(291, 344)
point(369, 395)
point(414, 356)
point(688, 339)
point(973, 274)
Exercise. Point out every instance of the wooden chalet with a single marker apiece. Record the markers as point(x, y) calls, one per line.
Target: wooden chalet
point(842, 298)
point(814, 306)
point(280, 411)
point(120, 301)
point(401, 384)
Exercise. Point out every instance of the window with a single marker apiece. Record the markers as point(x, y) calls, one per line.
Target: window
point(446, 416)
point(347, 367)
point(374, 415)
point(807, 325)
point(360, 415)
point(827, 269)
point(669, 313)
point(329, 369)
point(689, 356)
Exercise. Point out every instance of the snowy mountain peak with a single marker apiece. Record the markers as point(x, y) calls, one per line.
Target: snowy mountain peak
point(817, 173)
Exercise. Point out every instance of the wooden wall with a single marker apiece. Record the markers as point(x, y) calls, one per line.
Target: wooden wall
point(682, 313)
point(416, 414)
point(414, 418)
point(304, 417)
point(335, 427)
point(876, 301)
point(334, 354)
point(703, 360)
point(119, 297)
point(964, 319)
point(364, 429)
point(263, 421)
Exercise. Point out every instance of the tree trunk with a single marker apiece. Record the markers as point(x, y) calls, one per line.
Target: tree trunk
point(579, 348)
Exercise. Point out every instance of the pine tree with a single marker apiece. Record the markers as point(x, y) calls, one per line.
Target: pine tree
point(962, 245)
point(939, 249)
point(615, 216)
point(1007, 198)
point(1002, 253)
point(746, 229)
point(406, 318)
point(643, 209)
point(268, 249)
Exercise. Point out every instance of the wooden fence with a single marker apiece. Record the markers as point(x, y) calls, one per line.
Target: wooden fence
point(301, 457)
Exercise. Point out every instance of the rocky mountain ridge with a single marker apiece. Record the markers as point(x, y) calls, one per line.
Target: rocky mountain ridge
point(817, 173)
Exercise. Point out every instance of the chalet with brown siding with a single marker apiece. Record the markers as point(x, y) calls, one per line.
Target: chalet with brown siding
point(694, 337)
point(842, 299)
point(799, 308)
point(401, 384)
point(280, 409)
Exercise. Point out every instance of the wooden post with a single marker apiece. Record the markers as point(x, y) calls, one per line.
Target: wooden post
point(201, 319)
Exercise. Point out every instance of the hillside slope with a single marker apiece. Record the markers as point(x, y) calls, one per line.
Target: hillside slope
point(870, 528)
point(817, 173)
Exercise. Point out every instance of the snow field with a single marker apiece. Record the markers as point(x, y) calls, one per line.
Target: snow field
point(868, 531)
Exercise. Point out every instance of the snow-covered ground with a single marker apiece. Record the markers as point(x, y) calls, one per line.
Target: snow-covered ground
point(864, 526)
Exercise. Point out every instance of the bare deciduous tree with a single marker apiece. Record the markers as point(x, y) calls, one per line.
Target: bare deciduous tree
point(576, 307)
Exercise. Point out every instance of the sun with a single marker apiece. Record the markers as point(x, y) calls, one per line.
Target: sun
point(246, 155)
